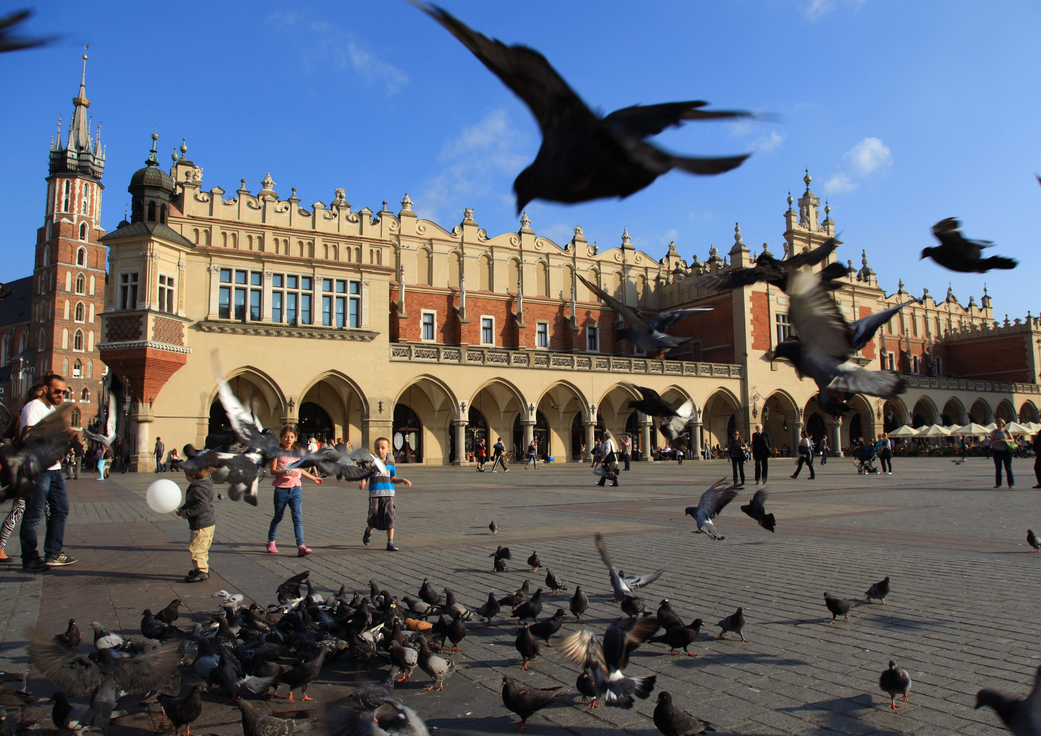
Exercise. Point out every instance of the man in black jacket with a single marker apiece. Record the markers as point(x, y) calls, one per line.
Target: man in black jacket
point(761, 450)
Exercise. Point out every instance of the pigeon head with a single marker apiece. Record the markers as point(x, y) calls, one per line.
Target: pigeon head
point(526, 187)
point(664, 697)
point(926, 252)
point(790, 350)
point(892, 664)
point(986, 696)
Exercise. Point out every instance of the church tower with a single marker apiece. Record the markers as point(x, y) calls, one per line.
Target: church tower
point(69, 269)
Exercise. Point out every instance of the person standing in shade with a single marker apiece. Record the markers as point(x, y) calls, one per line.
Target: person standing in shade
point(999, 450)
point(77, 458)
point(159, 450)
point(825, 448)
point(481, 454)
point(609, 461)
point(533, 455)
point(761, 450)
point(627, 448)
point(736, 449)
point(49, 493)
point(884, 448)
point(805, 455)
point(289, 492)
point(499, 456)
point(1037, 459)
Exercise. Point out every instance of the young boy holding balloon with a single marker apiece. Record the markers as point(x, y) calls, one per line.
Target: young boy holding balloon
point(202, 520)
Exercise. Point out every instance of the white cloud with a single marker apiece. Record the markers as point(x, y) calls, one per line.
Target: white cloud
point(817, 9)
point(839, 183)
point(869, 155)
point(767, 142)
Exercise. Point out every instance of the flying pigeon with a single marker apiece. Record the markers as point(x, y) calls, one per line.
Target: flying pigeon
point(824, 347)
point(22, 461)
point(10, 42)
point(634, 582)
point(674, 721)
point(621, 590)
point(864, 329)
point(1021, 716)
point(878, 590)
point(388, 717)
point(895, 682)
point(776, 272)
point(756, 508)
point(110, 424)
point(648, 336)
point(674, 420)
point(838, 607)
point(958, 253)
point(608, 660)
point(525, 700)
point(359, 465)
point(257, 724)
point(713, 501)
point(584, 156)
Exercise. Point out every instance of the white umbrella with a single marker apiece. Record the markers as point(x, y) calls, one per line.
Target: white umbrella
point(1017, 428)
point(904, 431)
point(934, 430)
point(1034, 427)
point(971, 430)
point(990, 427)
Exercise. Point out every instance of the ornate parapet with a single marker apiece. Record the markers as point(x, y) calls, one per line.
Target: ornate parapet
point(969, 384)
point(262, 329)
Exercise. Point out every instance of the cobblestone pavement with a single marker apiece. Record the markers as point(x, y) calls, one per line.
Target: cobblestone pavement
point(961, 615)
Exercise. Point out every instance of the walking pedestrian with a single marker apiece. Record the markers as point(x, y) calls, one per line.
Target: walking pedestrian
point(963, 446)
point(381, 496)
point(737, 449)
point(499, 456)
point(49, 493)
point(1002, 453)
point(805, 455)
point(884, 448)
point(159, 450)
point(14, 516)
point(77, 458)
point(825, 449)
point(202, 521)
point(533, 452)
point(761, 450)
point(1037, 459)
point(609, 461)
point(481, 454)
point(289, 492)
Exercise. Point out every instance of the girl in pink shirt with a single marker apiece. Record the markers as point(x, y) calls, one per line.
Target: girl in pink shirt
point(288, 491)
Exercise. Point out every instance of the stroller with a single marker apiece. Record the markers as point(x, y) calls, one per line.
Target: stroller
point(864, 456)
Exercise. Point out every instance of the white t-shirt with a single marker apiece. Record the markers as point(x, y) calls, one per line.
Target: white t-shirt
point(607, 447)
point(32, 413)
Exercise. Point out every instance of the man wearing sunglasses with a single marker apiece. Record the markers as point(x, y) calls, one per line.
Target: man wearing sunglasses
point(50, 491)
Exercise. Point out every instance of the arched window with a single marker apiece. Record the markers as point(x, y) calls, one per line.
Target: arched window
point(162, 215)
point(85, 394)
point(81, 253)
point(84, 200)
point(75, 418)
point(65, 204)
point(235, 241)
point(90, 340)
point(81, 284)
point(79, 312)
point(90, 369)
point(40, 338)
point(65, 367)
point(423, 267)
point(135, 212)
point(357, 254)
point(66, 314)
point(65, 338)
point(77, 369)
point(68, 281)
point(83, 231)
point(92, 284)
point(513, 275)
point(23, 341)
point(77, 341)
point(195, 235)
point(46, 255)
point(151, 211)
point(260, 243)
point(484, 278)
point(542, 276)
point(205, 237)
point(455, 264)
point(223, 240)
point(5, 347)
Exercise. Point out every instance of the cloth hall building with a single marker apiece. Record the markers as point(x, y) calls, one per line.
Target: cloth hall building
point(361, 324)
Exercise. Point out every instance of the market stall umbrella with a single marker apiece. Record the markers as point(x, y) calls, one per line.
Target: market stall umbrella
point(934, 430)
point(904, 431)
point(971, 430)
point(1017, 428)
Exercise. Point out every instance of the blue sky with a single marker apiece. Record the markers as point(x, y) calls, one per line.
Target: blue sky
point(905, 113)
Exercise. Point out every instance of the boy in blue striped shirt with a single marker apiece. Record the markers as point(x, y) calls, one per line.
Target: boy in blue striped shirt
point(381, 496)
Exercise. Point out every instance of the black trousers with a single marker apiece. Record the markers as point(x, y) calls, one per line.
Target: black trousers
point(887, 461)
point(1037, 469)
point(739, 467)
point(806, 460)
point(1003, 458)
point(761, 465)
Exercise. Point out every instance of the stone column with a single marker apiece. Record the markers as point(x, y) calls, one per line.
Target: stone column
point(529, 434)
point(373, 427)
point(590, 438)
point(645, 437)
point(141, 459)
point(793, 446)
point(835, 437)
point(460, 441)
point(695, 440)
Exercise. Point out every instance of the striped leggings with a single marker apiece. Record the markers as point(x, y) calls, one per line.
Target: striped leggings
point(11, 521)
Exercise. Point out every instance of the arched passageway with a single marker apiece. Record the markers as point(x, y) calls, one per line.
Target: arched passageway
point(953, 413)
point(1028, 412)
point(422, 433)
point(981, 413)
point(924, 413)
point(1005, 411)
point(564, 409)
point(719, 420)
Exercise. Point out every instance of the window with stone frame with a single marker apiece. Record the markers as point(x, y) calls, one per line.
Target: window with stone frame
point(128, 290)
point(166, 294)
point(542, 334)
point(292, 298)
point(592, 339)
point(428, 326)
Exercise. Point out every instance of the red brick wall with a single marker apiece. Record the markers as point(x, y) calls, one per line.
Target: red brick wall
point(760, 320)
point(714, 330)
point(1003, 358)
point(870, 350)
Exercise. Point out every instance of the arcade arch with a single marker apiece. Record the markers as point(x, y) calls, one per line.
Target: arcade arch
point(332, 406)
point(1028, 412)
point(953, 413)
point(719, 420)
point(423, 414)
point(780, 417)
point(256, 391)
point(981, 413)
point(924, 413)
point(1005, 411)
point(564, 406)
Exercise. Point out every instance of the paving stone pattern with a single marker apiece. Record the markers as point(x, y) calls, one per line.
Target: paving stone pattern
point(961, 615)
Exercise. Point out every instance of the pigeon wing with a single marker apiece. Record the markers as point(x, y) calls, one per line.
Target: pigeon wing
point(74, 673)
point(643, 121)
point(144, 673)
point(662, 321)
point(525, 71)
point(865, 328)
point(758, 503)
point(582, 647)
point(854, 379)
point(812, 257)
point(242, 421)
point(709, 505)
point(672, 427)
point(632, 318)
point(362, 455)
point(622, 639)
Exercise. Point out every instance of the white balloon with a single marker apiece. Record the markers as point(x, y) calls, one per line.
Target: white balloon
point(164, 496)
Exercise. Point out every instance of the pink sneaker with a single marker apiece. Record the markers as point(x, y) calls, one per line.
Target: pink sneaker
point(303, 551)
point(272, 548)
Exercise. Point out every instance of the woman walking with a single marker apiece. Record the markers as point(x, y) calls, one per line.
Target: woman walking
point(481, 455)
point(805, 455)
point(884, 448)
point(288, 492)
point(533, 455)
point(999, 450)
point(737, 448)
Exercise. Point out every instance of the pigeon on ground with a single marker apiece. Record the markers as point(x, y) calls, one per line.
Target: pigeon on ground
point(68, 717)
point(553, 583)
point(183, 711)
point(404, 658)
point(823, 348)
point(456, 632)
point(586, 686)
point(525, 701)
point(388, 717)
point(302, 674)
point(650, 336)
point(894, 681)
point(152, 628)
point(674, 721)
point(1021, 716)
point(958, 253)
point(370, 697)
point(756, 508)
point(579, 603)
point(527, 646)
point(1033, 541)
point(632, 605)
point(229, 599)
point(734, 622)
point(489, 609)
point(680, 637)
point(608, 660)
point(499, 565)
point(838, 607)
point(534, 562)
point(517, 597)
point(290, 593)
point(256, 724)
point(530, 608)
point(454, 608)
point(584, 156)
point(713, 501)
point(428, 594)
point(171, 613)
point(21, 462)
point(667, 617)
point(548, 627)
point(439, 668)
point(493, 527)
point(416, 607)
point(878, 591)
point(71, 636)
point(776, 272)
point(501, 554)
point(103, 639)
point(10, 42)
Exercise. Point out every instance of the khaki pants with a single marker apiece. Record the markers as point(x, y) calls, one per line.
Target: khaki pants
point(199, 546)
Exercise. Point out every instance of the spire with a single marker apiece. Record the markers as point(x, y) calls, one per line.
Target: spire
point(78, 155)
point(153, 158)
point(79, 133)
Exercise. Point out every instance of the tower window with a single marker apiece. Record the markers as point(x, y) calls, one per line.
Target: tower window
point(151, 211)
point(75, 420)
point(85, 200)
point(81, 254)
point(47, 256)
point(85, 393)
point(128, 290)
point(81, 284)
point(77, 369)
point(166, 293)
point(77, 341)
point(83, 231)
point(79, 311)
point(65, 203)
point(593, 339)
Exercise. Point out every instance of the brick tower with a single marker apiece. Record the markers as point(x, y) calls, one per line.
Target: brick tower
point(69, 268)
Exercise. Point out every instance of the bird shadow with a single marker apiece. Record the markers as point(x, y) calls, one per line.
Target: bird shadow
point(705, 659)
point(797, 621)
point(835, 705)
point(907, 623)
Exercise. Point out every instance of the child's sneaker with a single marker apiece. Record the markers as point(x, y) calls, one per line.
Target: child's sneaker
point(197, 578)
point(303, 551)
point(391, 547)
point(366, 537)
point(272, 548)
